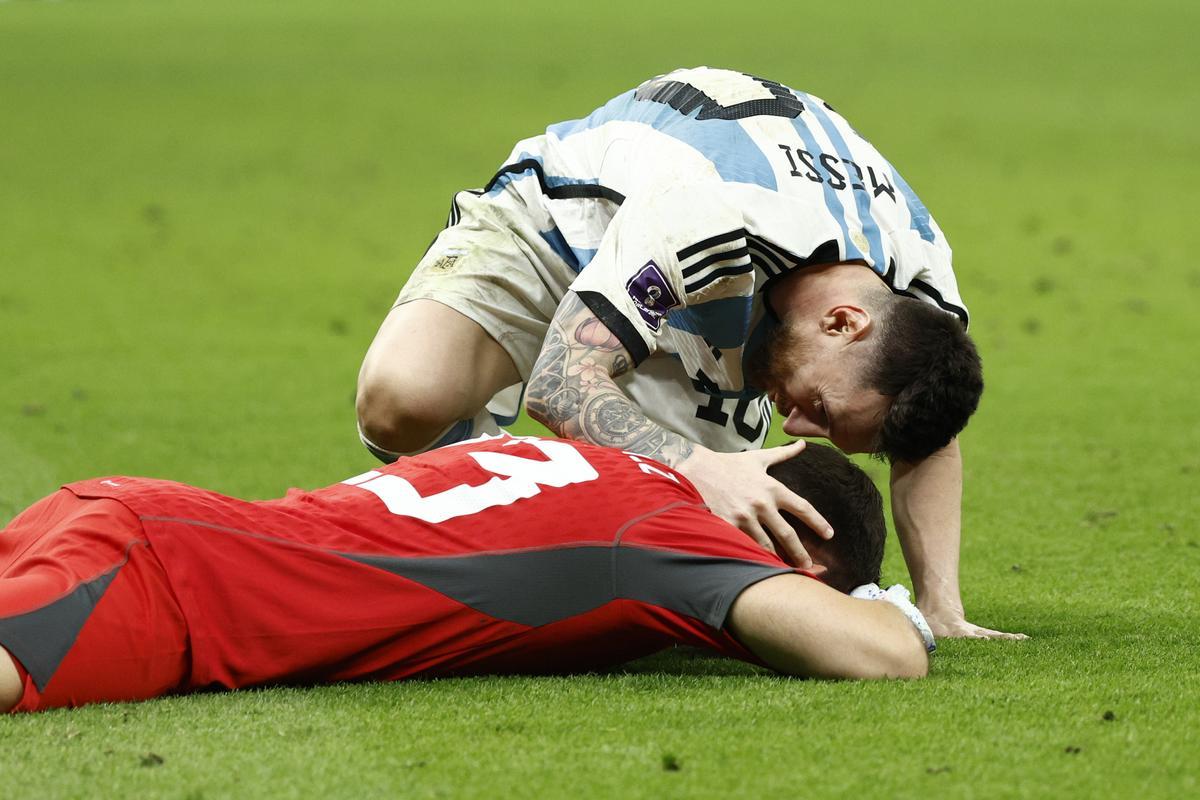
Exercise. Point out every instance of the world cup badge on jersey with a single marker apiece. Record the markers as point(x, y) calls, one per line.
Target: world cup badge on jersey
point(652, 294)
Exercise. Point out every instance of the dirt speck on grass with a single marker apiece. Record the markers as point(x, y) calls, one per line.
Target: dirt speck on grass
point(1031, 325)
point(937, 770)
point(670, 763)
point(1044, 285)
point(33, 409)
point(154, 214)
point(1062, 245)
point(1099, 516)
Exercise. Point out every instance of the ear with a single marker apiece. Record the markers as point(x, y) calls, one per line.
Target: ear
point(824, 562)
point(854, 322)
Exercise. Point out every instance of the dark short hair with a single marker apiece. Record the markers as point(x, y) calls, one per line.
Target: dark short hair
point(928, 364)
point(845, 496)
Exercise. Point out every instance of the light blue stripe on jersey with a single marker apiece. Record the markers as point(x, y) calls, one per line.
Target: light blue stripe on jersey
point(584, 255)
point(575, 257)
point(558, 244)
point(503, 180)
point(861, 200)
point(832, 201)
point(916, 209)
point(725, 143)
point(758, 338)
point(724, 323)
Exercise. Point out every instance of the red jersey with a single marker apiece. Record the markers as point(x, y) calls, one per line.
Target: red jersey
point(496, 555)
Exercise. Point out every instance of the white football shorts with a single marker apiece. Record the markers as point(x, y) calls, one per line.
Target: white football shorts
point(493, 265)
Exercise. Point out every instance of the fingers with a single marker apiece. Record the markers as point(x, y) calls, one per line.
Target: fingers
point(1015, 637)
point(753, 501)
point(774, 455)
point(751, 528)
point(787, 543)
point(966, 630)
point(804, 511)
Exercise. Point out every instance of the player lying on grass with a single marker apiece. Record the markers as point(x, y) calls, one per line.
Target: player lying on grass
point(659, 273)
point(498, 555)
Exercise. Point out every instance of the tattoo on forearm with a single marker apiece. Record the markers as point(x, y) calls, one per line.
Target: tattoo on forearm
point(572, 391)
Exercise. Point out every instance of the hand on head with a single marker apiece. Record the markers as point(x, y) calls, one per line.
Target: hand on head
point(738, 489)
point(806, 502)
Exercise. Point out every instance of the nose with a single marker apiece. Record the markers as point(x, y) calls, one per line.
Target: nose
point(798, 424)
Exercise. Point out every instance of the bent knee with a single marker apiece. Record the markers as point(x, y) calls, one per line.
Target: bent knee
point(406, 415)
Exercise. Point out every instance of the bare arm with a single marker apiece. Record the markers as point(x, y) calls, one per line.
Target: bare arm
point(927, 510)
point(799, 626)
point(572, 392)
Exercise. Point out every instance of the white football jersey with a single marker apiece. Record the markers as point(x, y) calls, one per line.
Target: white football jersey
point(674, 204)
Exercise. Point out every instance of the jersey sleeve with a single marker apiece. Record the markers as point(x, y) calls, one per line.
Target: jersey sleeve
point(701, 588)
point(689, 561)
point(669, 250)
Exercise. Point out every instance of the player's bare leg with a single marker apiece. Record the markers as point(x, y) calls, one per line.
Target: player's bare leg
point(11, 687)
point(428, 367)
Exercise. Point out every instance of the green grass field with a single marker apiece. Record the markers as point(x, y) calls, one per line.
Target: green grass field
point(207, 207)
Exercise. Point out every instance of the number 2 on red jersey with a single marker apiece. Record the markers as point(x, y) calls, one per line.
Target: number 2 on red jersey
point(516, 478)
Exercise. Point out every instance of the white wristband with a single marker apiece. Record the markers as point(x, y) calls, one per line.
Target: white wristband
point(898, 596)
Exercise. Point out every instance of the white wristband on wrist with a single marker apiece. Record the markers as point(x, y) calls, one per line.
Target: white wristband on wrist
point(898, 596)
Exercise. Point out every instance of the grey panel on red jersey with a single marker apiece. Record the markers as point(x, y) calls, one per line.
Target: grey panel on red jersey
point(40, 639)
point(539, 587)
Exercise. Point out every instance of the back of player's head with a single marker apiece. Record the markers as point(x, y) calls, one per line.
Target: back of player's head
point(928, 365)
point(845, 496)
